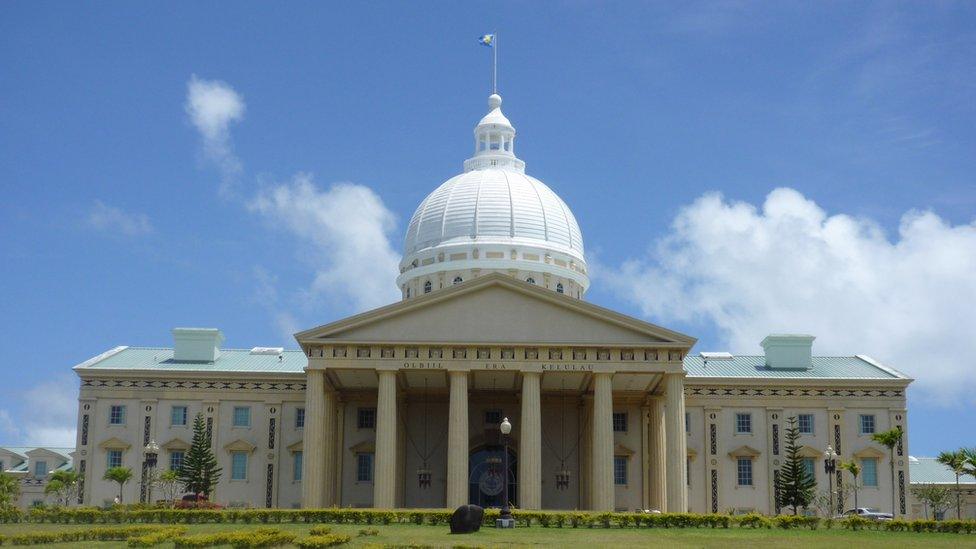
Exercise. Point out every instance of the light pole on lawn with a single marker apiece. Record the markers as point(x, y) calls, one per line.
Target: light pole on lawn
point(830, 466)
point(152, 453)
point(505, 520)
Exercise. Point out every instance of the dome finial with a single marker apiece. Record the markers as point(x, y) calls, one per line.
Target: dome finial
point(494, 101)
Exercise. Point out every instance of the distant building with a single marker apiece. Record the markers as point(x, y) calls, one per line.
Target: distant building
point(927, 470)
point(32, 467)
point(400, 406)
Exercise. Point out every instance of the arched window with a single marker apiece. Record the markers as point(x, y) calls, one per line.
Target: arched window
point(559, 288)
point(427, 287)
point(458, 280)
point(530, 280)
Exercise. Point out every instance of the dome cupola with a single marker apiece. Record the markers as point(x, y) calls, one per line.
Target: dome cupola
point(493, 217)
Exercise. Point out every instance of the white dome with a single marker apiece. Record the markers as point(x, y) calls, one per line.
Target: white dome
point(495, 206)
point(493, 218)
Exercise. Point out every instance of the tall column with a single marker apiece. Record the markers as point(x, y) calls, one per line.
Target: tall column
point(677, 452)
point(457, 442)
point(601, 493)
point(328, 458)
point(530, 445)
point(384, 476)
point(313, 444)
point(658, 465)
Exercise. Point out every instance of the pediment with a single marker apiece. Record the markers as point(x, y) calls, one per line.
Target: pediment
point(364, 447)
point(810, 452)
point(495, 308)
point(621, 450)
point(744, 452)
point(239, 445)
point(114, 444)
point(868, 452)
point(296, 447)
point(176, 444)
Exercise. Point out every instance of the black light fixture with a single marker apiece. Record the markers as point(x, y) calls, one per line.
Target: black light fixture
point(152, 455)
point(830, 466)
point(505, 520)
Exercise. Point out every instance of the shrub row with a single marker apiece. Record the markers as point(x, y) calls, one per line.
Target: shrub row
point(118, 533)
point(259, 537)
point(323, 540)
point(546, 519)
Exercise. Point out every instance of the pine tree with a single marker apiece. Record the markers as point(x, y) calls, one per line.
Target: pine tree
point(795, 485)
point(200, 472)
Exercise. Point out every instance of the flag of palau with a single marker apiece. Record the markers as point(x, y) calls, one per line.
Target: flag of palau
point(487, 40)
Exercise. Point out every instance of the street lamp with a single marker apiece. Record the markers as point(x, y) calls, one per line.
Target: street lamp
point(830, 466)
point(505, 520)
point(152, 453)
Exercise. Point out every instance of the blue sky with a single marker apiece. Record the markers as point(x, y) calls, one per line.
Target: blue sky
point(840, 136)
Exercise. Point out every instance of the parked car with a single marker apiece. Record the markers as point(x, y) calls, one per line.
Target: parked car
point(868, 513)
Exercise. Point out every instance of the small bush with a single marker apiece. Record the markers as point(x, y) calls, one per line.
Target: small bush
point(327, 540)
point(319, 531)
point(368, 532)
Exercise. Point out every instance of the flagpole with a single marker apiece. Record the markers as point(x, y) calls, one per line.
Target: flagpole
point(494, 63)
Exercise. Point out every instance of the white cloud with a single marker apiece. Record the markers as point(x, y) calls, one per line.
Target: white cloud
point(212, 106)
point(790, 267)
point(115, 220)
point(51, 409)
point(349, 229)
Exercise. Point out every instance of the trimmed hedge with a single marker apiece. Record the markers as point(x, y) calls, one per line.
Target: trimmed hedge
point(441, 517)
point(323, 540)
point(258, 537)
point(117, 533)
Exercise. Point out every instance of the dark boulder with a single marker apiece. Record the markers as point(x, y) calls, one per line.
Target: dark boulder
point(466, 519)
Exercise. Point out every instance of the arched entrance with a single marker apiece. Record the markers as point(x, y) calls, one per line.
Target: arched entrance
point(485, 476)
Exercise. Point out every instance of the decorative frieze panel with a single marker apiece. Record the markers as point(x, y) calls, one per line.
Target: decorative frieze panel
point(901, 491)
point(269, 487)
point(207, 385)
point(791, 392)
point(84, 430)
point(714, 491)
point(82, 466)
point(776, 442)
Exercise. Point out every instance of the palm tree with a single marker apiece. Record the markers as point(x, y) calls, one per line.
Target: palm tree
point(854, 469)
point(9, 490)
point(889, 439)
point(955, 460)
point(120, 475)
point(63, 483)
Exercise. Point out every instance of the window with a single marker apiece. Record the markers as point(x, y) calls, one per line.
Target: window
point(242, 416)
point(810, 465)
point(238, 466)
point(299, 418)
point(458, 280)
point(687, 422)
point(177, 416)
point(743, 423)
point(364, 467)
point(688, 471)
point(869, 472)
point(114, 459)
point(176, 458)
point(493, 417)
point(297, 469)
point(427, 287)
point(530, 280)
point(805, 423)
point(867, 424)
point(620, 470)
point(559, 288)
point(940, 515)
point(40, 468)
point(744, 471)
point(620, 422)
point(117, 415)
point(366, 418)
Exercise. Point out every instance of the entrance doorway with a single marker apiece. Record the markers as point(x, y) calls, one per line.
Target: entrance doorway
point(485, 478)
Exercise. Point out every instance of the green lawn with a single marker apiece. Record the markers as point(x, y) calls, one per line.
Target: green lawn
point(438, 536)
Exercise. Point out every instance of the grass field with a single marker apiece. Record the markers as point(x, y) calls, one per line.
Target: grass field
point(438, 536)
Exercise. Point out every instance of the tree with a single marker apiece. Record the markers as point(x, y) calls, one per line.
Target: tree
point(933, 495)
point(9, 490)
point(795, 484)
point(120, 475)
point(890, 439)
point(63, 484)
point(200, 472)
point(854, 469)
point(169, 484)
point(955, 460)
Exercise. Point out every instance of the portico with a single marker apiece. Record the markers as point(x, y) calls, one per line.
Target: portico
point(435, 402)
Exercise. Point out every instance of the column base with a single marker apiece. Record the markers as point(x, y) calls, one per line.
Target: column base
point(505, 523)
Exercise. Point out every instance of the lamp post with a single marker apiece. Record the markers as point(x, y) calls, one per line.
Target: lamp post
point(830, 466)
point(152, 453)
point(505, 520)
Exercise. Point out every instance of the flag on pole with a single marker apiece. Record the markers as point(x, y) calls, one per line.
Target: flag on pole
point(487, 40)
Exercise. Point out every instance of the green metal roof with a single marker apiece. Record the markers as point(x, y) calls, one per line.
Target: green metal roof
point(925, 470)
point(230, 360)
point(22, 450)
point(824, 367)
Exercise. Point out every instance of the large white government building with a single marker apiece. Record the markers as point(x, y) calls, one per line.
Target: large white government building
point(400, 406)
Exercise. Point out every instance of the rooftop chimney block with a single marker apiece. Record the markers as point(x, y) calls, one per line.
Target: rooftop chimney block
point(196, 344)
point(788, 351)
